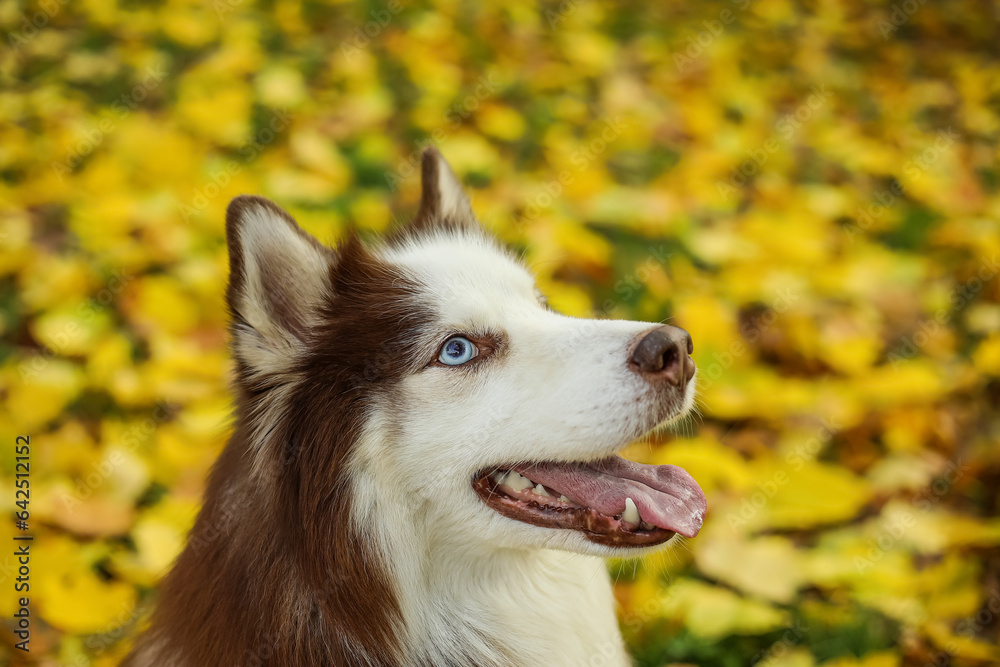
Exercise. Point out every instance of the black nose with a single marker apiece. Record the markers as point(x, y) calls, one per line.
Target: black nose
point(663, 352)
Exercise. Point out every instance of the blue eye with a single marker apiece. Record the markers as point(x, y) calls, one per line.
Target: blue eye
point(456, 351)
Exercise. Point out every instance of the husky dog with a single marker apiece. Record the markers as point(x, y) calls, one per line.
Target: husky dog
point(424, 466)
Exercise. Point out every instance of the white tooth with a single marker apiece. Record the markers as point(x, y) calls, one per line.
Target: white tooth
point(517, 482)
point(647, 526)
point(631, 514)
point(564, 499)
point(540, 490)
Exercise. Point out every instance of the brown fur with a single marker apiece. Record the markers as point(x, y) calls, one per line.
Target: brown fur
point(274, 572)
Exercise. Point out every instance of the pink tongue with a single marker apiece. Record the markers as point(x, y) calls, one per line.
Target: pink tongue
point(666, 496)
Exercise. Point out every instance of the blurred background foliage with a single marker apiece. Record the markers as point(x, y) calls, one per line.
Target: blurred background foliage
point(810, 188)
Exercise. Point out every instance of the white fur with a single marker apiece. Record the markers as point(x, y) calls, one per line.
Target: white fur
point(508, 592)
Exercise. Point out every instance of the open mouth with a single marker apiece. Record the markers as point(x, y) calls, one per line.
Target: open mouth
point(614, 502)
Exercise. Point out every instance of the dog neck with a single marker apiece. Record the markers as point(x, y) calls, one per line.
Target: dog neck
point(469, 602)
point(255, 587)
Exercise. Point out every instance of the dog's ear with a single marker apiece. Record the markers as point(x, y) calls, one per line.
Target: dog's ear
point(279, 279)
point(442, 200)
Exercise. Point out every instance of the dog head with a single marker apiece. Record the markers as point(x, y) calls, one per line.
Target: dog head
point(426, 382)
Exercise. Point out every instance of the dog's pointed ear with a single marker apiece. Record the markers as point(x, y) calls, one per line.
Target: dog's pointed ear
point(279, 279)
point(442, 199)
